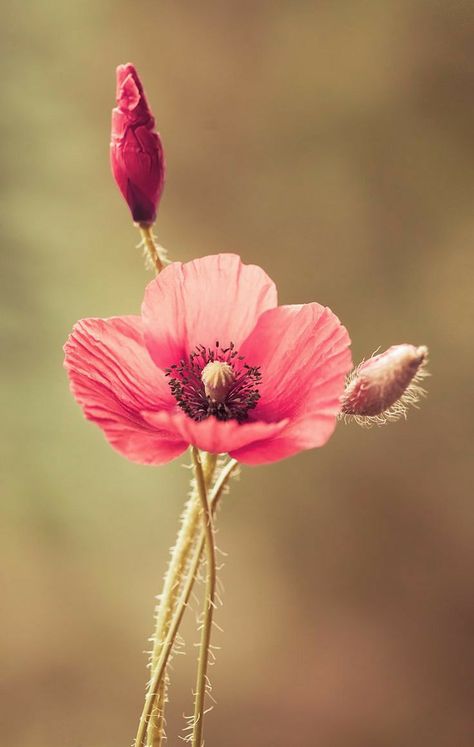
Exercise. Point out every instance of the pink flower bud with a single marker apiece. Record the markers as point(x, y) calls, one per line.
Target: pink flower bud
point(136, 152)
point(381, 388)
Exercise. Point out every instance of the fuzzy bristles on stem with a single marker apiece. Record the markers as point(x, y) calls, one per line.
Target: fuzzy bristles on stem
point(155, 254)
point(381, 389)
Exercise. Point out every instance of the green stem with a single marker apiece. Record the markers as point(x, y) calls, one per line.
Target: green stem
point(209, 602)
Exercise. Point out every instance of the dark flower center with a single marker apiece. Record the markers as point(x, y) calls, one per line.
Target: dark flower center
point(215, 382)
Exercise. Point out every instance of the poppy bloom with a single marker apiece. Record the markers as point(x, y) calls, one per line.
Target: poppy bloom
point(381, 388)
point(136, 152)
point(212, 361)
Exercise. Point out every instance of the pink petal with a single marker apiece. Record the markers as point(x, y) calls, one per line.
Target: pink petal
point(215, 298)
point(113, 378)
point(303, 352)
point(305, 433)
point(215, 436)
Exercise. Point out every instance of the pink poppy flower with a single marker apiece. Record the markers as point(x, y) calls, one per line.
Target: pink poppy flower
point(214, 362)
point(136, 152)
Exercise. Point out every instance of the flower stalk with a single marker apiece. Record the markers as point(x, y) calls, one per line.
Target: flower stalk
point(151, 247)
point(209, 602)
point(158, 672)
point(173, 583)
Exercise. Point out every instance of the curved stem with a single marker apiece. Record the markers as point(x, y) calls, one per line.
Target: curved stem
point(151, 246)
point(167, 646)
point(209, 603)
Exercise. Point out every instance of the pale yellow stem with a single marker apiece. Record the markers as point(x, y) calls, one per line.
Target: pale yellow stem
point(155, 733)
point(173, 582)
point(151, 246)
point(209, 602)
point(167, 644)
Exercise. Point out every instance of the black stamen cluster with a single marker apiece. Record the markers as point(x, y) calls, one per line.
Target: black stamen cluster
point(188, 389)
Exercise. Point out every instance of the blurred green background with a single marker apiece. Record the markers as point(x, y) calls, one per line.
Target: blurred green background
point(331, 143)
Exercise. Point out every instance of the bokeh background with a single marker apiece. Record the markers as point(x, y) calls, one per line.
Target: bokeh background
point(331, 143)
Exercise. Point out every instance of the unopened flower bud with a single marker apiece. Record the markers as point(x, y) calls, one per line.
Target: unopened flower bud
point(381, 388)
point(136, 152)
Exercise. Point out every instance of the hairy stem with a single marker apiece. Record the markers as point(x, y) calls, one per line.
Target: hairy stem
point(151, 247)
point(155, 733)
point(173, 583)
point(209, 602)
point(181, 604)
